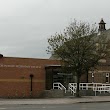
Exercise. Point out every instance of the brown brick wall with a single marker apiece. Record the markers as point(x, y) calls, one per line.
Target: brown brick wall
point(100, 74)
point(15, 76)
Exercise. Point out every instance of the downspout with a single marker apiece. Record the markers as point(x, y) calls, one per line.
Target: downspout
point(31, 76)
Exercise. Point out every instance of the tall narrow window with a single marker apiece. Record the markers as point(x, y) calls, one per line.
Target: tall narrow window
point(107, 77)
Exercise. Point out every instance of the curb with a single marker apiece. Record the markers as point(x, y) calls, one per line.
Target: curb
point(55, 101)
point(94, 102)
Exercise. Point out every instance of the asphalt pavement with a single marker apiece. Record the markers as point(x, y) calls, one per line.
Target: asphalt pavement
point(87, 99)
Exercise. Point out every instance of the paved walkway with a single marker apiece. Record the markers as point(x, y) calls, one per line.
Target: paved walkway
point(89, 99)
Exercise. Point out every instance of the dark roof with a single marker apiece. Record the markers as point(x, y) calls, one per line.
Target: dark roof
point(102, 21)
point(1, 55)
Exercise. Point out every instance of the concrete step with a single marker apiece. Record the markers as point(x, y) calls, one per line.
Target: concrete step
point(103, 94)
point(53, 93)
point(87, 93)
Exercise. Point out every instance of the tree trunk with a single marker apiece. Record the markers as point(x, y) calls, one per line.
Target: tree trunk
point(86, 76)
point(77, 90)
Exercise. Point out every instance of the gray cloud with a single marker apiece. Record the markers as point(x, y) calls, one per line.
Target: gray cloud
point(25, 25)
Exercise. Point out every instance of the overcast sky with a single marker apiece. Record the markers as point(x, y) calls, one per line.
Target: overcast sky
point(25, 25)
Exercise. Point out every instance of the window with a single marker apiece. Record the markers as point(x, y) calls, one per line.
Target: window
point(107, 78)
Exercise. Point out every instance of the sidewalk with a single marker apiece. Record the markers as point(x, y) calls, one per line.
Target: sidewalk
point(89, 99)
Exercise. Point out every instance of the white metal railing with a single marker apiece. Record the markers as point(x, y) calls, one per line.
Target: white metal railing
point(59, 86)
point(87, 86)
point(72, 87)
point(105, 84)
point(96, 87)
point(103, 88)
point(73, 84)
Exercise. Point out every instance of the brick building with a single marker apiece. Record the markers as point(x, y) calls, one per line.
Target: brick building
point(23, 77)
point(30, 77)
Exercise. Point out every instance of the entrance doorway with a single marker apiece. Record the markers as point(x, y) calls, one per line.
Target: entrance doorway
point(55, 74)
